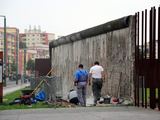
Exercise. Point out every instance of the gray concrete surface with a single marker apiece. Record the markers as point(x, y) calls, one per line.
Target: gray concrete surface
point(11, 87)
point(82, 113)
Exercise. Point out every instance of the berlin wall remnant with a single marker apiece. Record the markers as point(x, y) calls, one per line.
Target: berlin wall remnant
point(112, 44)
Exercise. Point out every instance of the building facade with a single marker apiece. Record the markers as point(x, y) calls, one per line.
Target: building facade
point(35, 39)
point(34, 44)
point(12, 48)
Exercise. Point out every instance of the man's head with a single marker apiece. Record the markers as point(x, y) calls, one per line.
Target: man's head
point(71, 90)
point(80, 66)
point(96, 63)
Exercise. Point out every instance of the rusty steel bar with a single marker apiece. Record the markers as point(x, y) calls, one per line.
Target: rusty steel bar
point(154, 58)
point(154, 33)
point(152, 52)
point(147, 65)
point(138, 59)
point(150, 44)
point(142, 78)
point(142, 34)
point(158, 57)
point(159, 34)
point(145, 57)
point(151, 34)
point(145, 37)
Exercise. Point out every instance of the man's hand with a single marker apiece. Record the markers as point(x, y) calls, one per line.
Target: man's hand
point(75, 83)
point(89, 83)
point(103, 79)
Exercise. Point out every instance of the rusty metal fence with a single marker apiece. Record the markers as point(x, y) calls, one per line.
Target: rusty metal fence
point(147, 58)
point(52, 86)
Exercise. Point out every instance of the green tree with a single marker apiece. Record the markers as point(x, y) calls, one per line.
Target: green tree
point(13, 67)
point(30, 65)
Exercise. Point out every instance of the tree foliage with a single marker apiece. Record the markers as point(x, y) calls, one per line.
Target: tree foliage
point(13, 66)
point(30, 65)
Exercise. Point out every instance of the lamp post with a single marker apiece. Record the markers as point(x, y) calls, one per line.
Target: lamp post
point(5, 45)
point(17, 46)
point(24, 74)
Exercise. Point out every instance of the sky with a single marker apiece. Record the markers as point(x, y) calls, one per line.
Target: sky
point(64, 17)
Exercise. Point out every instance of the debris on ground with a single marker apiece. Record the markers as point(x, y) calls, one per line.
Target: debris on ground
point(111, 100)
point(128, 101)
point(27, 99)
point(61, 103)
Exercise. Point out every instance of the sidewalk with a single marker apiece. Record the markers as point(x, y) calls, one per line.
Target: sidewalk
point(82, 113)
point(13, 87)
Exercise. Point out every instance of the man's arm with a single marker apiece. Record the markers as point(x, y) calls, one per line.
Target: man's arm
point(75, 82)
point(89, 78)
point(75, 79)
point(103, 75)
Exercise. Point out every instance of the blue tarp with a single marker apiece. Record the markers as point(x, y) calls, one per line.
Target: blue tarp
point(40, 96)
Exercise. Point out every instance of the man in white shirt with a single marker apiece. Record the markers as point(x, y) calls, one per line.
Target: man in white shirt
point(97, 76)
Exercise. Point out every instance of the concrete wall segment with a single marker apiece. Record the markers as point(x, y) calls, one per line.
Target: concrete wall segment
point(114, 50)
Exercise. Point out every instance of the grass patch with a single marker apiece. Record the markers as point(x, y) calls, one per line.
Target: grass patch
point(11, 96)
point(147, 94)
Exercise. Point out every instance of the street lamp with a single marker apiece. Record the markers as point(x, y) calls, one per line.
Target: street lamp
point(5, 45)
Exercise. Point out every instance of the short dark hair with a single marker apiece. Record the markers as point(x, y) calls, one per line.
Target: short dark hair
point(80, 66)
point(71, 90)
point(96, 63)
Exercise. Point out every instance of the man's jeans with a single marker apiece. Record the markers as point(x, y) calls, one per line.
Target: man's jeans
point(96, 88)
point(81, 91)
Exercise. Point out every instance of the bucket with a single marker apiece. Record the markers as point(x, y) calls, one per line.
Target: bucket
point(107, 100)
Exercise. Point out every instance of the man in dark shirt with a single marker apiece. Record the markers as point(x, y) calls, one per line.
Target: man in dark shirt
point(81, 80)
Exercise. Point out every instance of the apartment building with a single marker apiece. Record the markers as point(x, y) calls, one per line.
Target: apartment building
point(35, 39)
point(12, 48)
point(34, 43)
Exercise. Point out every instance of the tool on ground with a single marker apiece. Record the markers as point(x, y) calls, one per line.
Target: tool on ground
point(37, 87)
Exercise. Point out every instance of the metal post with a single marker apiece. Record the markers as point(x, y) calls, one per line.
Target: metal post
point(17, 46)
point(8, 67)
point(145, 57)
point(24, 74)
point(138, 57)
point(5, 45)
point(158, 57)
